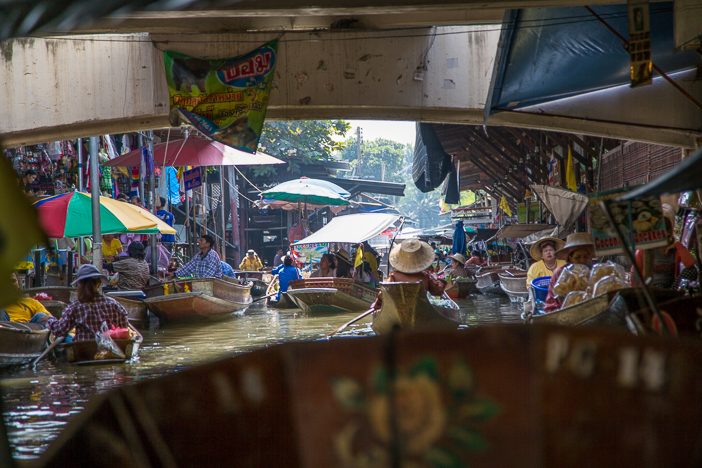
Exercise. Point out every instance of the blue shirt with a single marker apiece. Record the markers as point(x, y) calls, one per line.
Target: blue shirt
point(202, 266)
point(286, 274)
point(227, 270)
point(168, 218)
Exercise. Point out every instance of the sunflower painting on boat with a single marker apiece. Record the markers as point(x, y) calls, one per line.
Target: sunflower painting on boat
point(422, 416)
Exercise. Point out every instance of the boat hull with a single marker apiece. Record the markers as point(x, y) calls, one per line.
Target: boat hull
point(83, 352)
point(405, 305)
point(285, 302)
point(137, 311)
point(514, 286)
point(331, 295)
point(20, 343)
point(462, 287)
point(203, 298)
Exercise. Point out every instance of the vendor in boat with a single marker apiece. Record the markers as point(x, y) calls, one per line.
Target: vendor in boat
point(286, 272)
point(660, 267)
point(579, 248)
point(543, 251)
point(411, 261)
point(90, 310)
point(327, 267)
point(343, 265)
point(456, 269)
point(132, 271)
point(205, 264)
point(111, 248)
point(251, 262)
point(25, 309)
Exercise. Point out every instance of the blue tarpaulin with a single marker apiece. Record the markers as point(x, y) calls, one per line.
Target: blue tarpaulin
point(459, 239)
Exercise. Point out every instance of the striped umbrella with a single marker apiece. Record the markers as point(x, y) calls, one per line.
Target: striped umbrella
point(70, 215)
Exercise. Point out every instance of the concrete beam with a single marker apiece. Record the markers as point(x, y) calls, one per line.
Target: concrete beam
point(78, 86)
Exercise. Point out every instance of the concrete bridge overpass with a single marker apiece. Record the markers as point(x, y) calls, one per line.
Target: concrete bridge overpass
point(400, 59)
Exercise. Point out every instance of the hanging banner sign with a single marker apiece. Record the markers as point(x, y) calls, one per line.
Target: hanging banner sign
point(310, 253)
point(225, 99)
point(192, 178)
point(641, 68)
point(640, 221)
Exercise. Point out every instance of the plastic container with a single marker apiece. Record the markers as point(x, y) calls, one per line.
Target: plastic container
point(540, 287)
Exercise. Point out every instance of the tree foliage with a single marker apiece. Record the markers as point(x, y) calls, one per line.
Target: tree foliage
point(380, 159)
point(301, 141)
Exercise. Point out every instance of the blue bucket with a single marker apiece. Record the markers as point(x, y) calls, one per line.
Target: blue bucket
point(540, 286)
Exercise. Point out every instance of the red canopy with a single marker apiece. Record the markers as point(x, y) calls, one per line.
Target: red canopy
point(195, 151)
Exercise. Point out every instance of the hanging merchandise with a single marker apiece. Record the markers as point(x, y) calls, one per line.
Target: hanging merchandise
point(571, 184)
point(225, 99)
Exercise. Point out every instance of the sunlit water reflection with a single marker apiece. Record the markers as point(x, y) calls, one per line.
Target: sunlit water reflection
point(38, 403)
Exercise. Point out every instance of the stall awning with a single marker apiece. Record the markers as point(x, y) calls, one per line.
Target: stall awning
point(351, 229)
point(517, 231)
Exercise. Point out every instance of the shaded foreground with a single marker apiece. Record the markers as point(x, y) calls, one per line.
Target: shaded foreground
point(490, 396)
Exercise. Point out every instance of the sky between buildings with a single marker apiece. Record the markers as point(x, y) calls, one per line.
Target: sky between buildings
point(402, 132)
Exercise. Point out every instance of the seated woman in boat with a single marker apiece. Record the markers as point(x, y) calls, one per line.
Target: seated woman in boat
point(111, 248)
point(456, 269)
point(579, 248)
point(205, 264)
point(286, 273)
point(660, 267)
point(543, 251)
point(327, 267)
point(132, 271)
point(411, 261)
point(90, 310)
point(25, 309)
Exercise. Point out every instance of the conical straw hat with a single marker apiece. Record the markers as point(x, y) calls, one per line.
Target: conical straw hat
point(411, 256)
point(577, 240)
point(535, 249)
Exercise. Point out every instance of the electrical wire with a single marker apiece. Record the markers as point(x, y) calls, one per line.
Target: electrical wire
point(247, 180)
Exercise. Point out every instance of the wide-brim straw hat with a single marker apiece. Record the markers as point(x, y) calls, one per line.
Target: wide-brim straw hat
point(411, 256)
point(578, 240)
point(459, 258)
point(88, 271)
point(343, 255)
point(535, 249)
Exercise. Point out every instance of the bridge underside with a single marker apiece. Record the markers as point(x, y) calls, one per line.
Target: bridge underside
point(370, 62)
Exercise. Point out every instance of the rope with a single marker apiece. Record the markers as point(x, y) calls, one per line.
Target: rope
point(247, 180)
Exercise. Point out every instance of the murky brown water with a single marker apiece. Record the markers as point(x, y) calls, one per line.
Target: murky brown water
point(38, 403)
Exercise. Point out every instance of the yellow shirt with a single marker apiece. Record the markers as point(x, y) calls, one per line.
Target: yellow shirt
point(111, 249)
point(251, 264)
point(539, 269)
point(24, 309)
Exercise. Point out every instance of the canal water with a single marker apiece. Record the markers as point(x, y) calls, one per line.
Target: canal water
point(37, 404)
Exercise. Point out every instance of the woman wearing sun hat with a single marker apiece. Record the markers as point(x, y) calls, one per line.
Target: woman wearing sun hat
point(90, 310)
point(411, 261)
point(579, 248)
point(543, 251)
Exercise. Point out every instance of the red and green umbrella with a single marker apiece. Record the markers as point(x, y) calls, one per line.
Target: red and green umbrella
point(70, 215)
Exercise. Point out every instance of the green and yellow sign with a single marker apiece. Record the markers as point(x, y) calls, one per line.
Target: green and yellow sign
point(225, 99)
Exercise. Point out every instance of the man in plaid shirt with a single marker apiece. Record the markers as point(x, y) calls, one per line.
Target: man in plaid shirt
point(206, 264)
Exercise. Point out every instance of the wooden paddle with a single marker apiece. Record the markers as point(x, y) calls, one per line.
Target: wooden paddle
point(352, 321)
point(56, 342)
point(264, 297)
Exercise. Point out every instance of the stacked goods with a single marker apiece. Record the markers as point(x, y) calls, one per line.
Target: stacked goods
point(578, 283)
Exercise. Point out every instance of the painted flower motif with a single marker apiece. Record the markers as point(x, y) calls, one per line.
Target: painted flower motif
point(421, 415)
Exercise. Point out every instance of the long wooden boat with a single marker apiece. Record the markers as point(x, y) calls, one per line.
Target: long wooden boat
point(60, 296)
point(514, 285)
point(331, 295)
point(256, 277)
point(406, 305)
point(488, 279)
point(284, 303)
point(471, 412)
point(462, 287)
point(201, 298)
point(20, 343)
point(137, 311)
point(84, 352)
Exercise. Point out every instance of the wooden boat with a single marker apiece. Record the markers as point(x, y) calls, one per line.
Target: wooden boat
point(406, 305)
point(331, 295)
point(256, 277)
point(20, 343)
point(514, 285)
point(137, 311)
point(60, 296)
point(285, 301)
point(461, 287)
point(467, 381)
point(83, 352)
point(199, 298)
